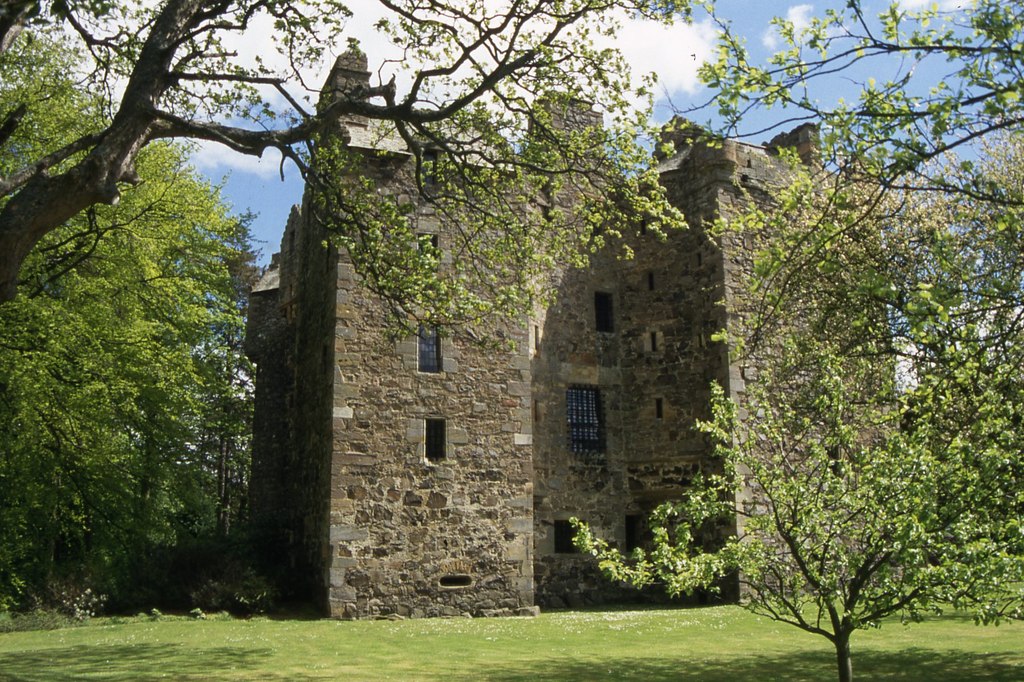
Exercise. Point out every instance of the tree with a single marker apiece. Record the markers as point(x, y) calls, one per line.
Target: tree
point(878, 469)
point(169, 72)
point(923, 83)
point(125, 326)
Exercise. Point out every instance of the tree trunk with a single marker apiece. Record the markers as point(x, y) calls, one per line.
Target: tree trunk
point(843, 661)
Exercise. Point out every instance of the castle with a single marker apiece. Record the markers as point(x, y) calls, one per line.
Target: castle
point(433, 476)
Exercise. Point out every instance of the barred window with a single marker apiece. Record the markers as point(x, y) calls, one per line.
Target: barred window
point(586, 423)
point(429, 349)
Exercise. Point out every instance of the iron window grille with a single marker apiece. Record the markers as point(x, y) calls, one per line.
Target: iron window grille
point(585, 420)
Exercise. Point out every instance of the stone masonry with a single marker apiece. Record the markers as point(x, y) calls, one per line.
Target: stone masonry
point(387, 491)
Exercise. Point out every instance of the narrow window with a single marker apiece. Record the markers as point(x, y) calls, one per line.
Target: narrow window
point(654, 342)
point(650, 281)
point(563, 537)
point(429, 350)
point(699, 259)
point(430, 243)
point(583, 414)
point(429, 168)
point(603, 311)
point(536, 338)
point(536, 412)
point(634, 531)
point(435, 439)
point(659, 408)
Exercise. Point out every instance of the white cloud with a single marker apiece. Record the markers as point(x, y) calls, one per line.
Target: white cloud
point(943, 5)
point(216, 160)
point(799, 15)
point(674, 53)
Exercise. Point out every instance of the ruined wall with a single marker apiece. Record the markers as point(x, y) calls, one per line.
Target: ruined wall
point(268, 333)
point(653, 370)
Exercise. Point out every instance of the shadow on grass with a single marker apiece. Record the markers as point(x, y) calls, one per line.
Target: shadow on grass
point(114, 663)
point(909, 664)
point(130, 662)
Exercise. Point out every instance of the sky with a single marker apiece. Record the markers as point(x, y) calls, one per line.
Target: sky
point(268, 189)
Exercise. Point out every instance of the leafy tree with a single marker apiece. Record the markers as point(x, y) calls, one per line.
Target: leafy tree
point(168, 71)
point(878, 470)
point(115, 363)
point(923, 82)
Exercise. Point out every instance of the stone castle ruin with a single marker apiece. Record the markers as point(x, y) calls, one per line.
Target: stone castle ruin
point(432, 476)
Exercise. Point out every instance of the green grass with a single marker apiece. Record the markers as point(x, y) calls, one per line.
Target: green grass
point(708, 644)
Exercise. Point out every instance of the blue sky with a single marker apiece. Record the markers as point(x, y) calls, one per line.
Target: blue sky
point(673, 53)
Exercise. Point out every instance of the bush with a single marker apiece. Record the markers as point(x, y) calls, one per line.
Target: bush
point(214, 574)
point(37, 619)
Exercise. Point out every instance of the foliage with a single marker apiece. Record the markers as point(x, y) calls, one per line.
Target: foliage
point(471, 74)
point(878, 468)
point(925, 79)
point(552, 212)
point(113, 364)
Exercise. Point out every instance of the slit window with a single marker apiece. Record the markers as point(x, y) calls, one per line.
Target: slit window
point(563, 537)
point(585, 421)
point(604, 319)
point(429, 244)
point(654, 342)
point(435, 439)
point(429, 162)
point(429, 349)
point(659, 408)
point(634, 531)
point(650, 281)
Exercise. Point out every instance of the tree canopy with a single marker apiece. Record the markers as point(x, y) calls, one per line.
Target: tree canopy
point(170, 71)
point(891, 91)
point(876, 470)
point(123, 390)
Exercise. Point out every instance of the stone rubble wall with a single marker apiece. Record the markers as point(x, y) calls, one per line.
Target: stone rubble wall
point(411, 537)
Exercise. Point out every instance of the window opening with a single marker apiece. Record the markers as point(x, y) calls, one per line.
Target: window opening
point(603, 311)
point(430, 168)
point(586, 424)
point(654, 342)
point(457, 580)
point(659, 408)
point(650, 281)
point(634, 531)
point(435, 439)
point(563, 537)
point(429, 349)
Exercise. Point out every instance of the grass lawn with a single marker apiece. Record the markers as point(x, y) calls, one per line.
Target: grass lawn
point(710, 644)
